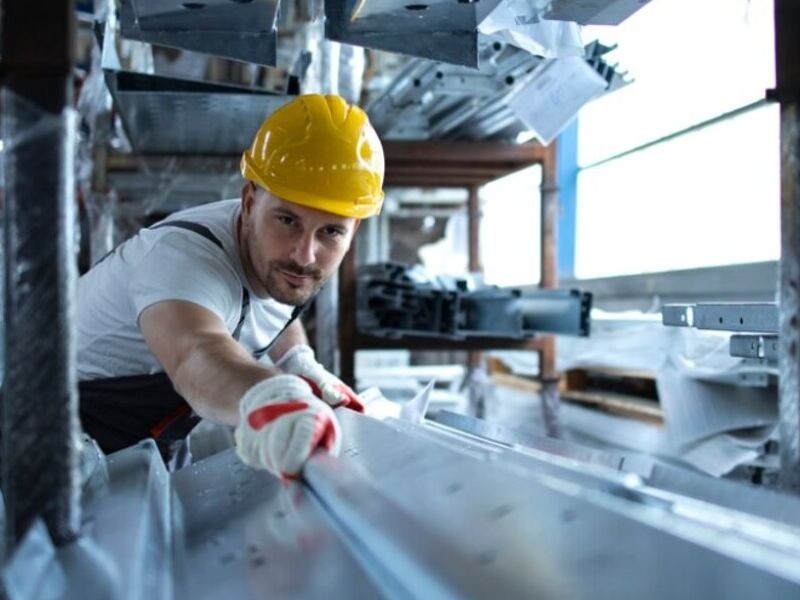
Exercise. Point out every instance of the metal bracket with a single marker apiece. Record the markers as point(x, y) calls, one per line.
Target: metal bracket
point(758, 317)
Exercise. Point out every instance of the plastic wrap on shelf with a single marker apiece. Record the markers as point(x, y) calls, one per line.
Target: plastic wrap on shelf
point(39, 392)
point(520, 22)
point(397, 301)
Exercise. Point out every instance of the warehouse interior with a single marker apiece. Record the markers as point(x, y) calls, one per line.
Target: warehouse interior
point(573, 325)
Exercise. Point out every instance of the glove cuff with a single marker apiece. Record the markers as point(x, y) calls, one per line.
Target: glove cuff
point(299, 352)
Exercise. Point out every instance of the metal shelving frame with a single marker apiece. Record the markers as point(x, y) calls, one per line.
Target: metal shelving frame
point(463, 165)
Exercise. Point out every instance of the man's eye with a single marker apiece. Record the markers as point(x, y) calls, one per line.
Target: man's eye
point(284, 220)
point(333, 232)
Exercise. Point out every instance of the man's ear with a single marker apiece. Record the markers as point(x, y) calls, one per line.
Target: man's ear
point(248, 197)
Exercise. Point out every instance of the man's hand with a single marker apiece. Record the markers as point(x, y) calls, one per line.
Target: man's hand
point(282, 423)
point(300, 361)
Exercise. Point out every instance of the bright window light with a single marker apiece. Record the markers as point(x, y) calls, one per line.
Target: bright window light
point(711, 197)
point(510, 226)
point(691, 61)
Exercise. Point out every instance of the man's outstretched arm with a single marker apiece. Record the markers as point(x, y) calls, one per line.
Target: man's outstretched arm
point(205, 364)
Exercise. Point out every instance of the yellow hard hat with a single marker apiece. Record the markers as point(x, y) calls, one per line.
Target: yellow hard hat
point(320, 152)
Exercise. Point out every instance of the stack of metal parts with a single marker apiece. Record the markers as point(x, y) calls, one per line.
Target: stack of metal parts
point(393, 301)
point(754, 328)
point(428, 100)
point(420, 511)
point(447, 30)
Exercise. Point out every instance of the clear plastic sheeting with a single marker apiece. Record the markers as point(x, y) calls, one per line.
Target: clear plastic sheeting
point(520, 23)
point(719, 411)
point(39, 391)
point(77, 571)
point(33, 573)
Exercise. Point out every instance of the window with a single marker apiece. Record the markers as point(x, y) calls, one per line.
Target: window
point(706, 196)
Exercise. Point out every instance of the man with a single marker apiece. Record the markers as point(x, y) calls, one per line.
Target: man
point(172, 324)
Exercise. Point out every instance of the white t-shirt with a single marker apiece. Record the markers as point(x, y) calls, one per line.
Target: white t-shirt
point(168, 263)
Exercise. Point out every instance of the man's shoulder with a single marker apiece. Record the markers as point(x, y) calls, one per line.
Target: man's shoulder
point(210, 213)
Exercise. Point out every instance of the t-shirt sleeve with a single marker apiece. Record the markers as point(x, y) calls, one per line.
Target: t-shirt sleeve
point(178, 267)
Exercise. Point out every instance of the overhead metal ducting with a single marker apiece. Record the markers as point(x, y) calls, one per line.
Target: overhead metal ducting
point(597, 12)
point(442, 30)
point(242, 30)
point(165, 115)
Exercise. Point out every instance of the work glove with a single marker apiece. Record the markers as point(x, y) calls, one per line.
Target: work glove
point(282, 423)
point(300, 361)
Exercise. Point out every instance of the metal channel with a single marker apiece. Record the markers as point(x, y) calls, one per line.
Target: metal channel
point(248, 536)
point(757, 317)
point(559, 447)
point(40, 404)
point(605, 12)
point(755, 346)
point(241, 30)
point(737, 496)
point(161, 114)
point(513, 531)
point(443, 31)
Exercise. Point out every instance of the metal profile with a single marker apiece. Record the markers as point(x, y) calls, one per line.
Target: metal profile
point(755, 346)
point(596, 12)
point(236, 29)
point(439, 30)
point(758, 317)
point(165, 115)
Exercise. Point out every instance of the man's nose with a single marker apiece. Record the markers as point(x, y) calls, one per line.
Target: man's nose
point(304, 252)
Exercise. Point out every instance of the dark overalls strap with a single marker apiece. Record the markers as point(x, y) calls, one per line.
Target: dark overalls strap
point(121, 411)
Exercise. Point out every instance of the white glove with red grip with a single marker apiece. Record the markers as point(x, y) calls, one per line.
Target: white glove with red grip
point(300, 361)
point(282, 423)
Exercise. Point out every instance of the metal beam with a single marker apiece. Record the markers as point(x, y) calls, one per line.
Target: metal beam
point(755, 317)
point(755, 346)
point(39, 415)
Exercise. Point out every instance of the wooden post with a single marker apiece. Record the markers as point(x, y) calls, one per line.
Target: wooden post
point(548, 375)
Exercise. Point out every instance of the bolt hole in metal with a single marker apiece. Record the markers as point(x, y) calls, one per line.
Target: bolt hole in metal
point(193, 5)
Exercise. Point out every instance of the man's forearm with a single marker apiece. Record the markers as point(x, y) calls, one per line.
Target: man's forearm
point(293, 335)
point(214, 377)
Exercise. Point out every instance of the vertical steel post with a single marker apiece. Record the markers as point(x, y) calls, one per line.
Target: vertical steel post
point(326, 309)
point(476, 400)
point(787, 53)
point(548, 375)
point(474, 221)
point(347, 316)
point(39, 413)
